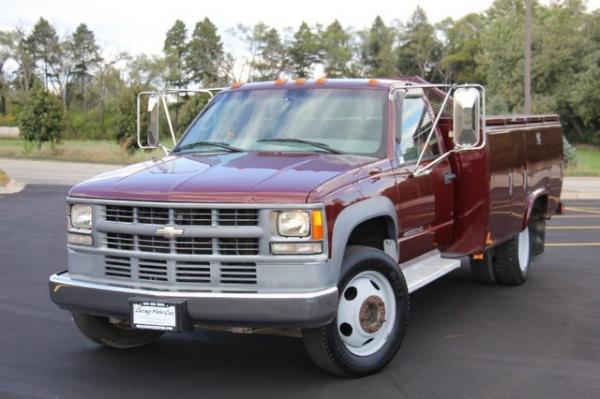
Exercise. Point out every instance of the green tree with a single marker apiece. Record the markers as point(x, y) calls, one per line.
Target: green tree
point(461, 47)
point(41, 119)
point(377, 50)
point(190, 109)
point(176, 51)
point(501, 58)
point(337, 53)
point(44, 47)
point(205, 55)
point(419, 50)
point(126, 121)
point(85, 55)
point(267, 52)
point(305, 51)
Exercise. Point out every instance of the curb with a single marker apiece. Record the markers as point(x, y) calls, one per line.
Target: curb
point(12, 187)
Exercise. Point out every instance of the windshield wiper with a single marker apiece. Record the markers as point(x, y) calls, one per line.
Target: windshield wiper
point(219, 144)
point(322, 146)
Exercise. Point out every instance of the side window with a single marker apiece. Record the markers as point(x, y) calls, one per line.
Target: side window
point(412, 129)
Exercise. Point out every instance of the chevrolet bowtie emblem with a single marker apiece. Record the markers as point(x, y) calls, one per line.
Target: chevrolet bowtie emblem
point(169, 232)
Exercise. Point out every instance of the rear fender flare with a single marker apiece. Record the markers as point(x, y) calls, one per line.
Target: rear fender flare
point(530, 201)
point(351, 217)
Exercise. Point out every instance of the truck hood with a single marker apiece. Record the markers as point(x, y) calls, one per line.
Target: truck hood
point(234, 177)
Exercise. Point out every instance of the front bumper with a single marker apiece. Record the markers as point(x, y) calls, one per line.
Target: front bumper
point(277, 310)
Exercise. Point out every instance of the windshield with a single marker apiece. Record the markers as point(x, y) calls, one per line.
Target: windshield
point(328, 120)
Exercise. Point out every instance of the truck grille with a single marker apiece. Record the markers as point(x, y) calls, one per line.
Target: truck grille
point(240, 276)
point(181, 216)
point(216, 250)
point(183, 245)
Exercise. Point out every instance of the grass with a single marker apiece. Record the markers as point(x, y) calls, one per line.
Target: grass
point(99, 151)
point(3, 178)
point(588, 162)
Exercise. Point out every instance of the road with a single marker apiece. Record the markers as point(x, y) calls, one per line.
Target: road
point(52, 172)
point(464, 339)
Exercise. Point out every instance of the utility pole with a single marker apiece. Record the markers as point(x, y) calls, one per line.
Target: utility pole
point(527, 82)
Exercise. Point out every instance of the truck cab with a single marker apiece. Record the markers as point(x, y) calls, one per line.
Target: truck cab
point(310, 208)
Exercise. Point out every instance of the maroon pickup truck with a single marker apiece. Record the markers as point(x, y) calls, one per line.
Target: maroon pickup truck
point(311, 208)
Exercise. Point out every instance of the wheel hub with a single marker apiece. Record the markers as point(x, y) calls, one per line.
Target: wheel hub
point(372, 314)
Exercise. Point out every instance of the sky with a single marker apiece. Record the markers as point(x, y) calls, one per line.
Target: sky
point(140, 26)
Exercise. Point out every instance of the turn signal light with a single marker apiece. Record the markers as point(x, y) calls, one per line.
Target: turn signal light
point(317, 225)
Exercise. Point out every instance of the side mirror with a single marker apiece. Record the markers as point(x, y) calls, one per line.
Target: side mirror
point(153, 126)
point(466, 117)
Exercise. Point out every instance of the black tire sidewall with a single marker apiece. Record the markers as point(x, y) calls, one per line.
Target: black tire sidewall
point(375, 260)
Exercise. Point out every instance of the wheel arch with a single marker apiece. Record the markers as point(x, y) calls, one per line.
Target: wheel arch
point(539, 196)
point(352, 217)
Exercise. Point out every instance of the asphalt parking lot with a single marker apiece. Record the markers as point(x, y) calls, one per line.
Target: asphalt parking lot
point(464, 339)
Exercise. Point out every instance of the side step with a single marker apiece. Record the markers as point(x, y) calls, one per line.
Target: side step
point(426, 268)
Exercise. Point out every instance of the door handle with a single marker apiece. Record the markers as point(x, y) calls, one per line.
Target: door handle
point(448, 176)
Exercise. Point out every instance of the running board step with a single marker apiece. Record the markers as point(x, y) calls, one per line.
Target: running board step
point(427, 268)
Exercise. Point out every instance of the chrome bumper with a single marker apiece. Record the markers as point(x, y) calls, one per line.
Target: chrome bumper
point(278, 310)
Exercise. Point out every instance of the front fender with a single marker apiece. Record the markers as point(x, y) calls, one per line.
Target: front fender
point(351, 217)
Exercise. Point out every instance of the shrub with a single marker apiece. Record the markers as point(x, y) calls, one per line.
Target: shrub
point(42, 118)
point(569, 153)
point(125, 118)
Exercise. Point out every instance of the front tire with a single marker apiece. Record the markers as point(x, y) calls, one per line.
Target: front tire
point(371, 320)
point(513, 258)
point(102, 331)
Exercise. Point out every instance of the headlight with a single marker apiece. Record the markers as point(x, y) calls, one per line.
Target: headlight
point(81, 217)
point(293, 224)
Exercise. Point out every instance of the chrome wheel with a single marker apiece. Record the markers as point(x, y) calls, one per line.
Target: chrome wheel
point(524, 249)
point(366, 313)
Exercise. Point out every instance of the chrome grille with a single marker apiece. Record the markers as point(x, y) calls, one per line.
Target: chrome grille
point(192, 217)
point(181, 216)
point(154, 244)
point(237, 273)
point(192, 272)
point(183, 245)
point(194, 246)
point(117, 266)
point(237, 217)
point(117, 213)
point(123, 242)
point(238, 246)
point(152, 269)
point(229, 275)
point(153, 215)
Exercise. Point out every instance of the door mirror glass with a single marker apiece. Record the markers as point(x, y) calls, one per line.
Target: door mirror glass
point(466, 117)
point(153, 126)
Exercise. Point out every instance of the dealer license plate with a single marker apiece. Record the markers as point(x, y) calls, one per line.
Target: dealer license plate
point(154, 316)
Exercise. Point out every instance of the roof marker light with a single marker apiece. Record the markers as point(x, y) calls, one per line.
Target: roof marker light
point(373, 82)
point(300, 81)
point(321, 81)
point(236, 85)
point(280, 82)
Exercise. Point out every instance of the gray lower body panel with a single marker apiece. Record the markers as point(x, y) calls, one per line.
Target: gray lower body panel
point(277, 310)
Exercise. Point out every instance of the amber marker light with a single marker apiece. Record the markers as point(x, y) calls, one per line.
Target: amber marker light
point(317, 225)
point(280, 82)
point(236, 85)
point(373, 82)
point(320, 81)
point(300, 81)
